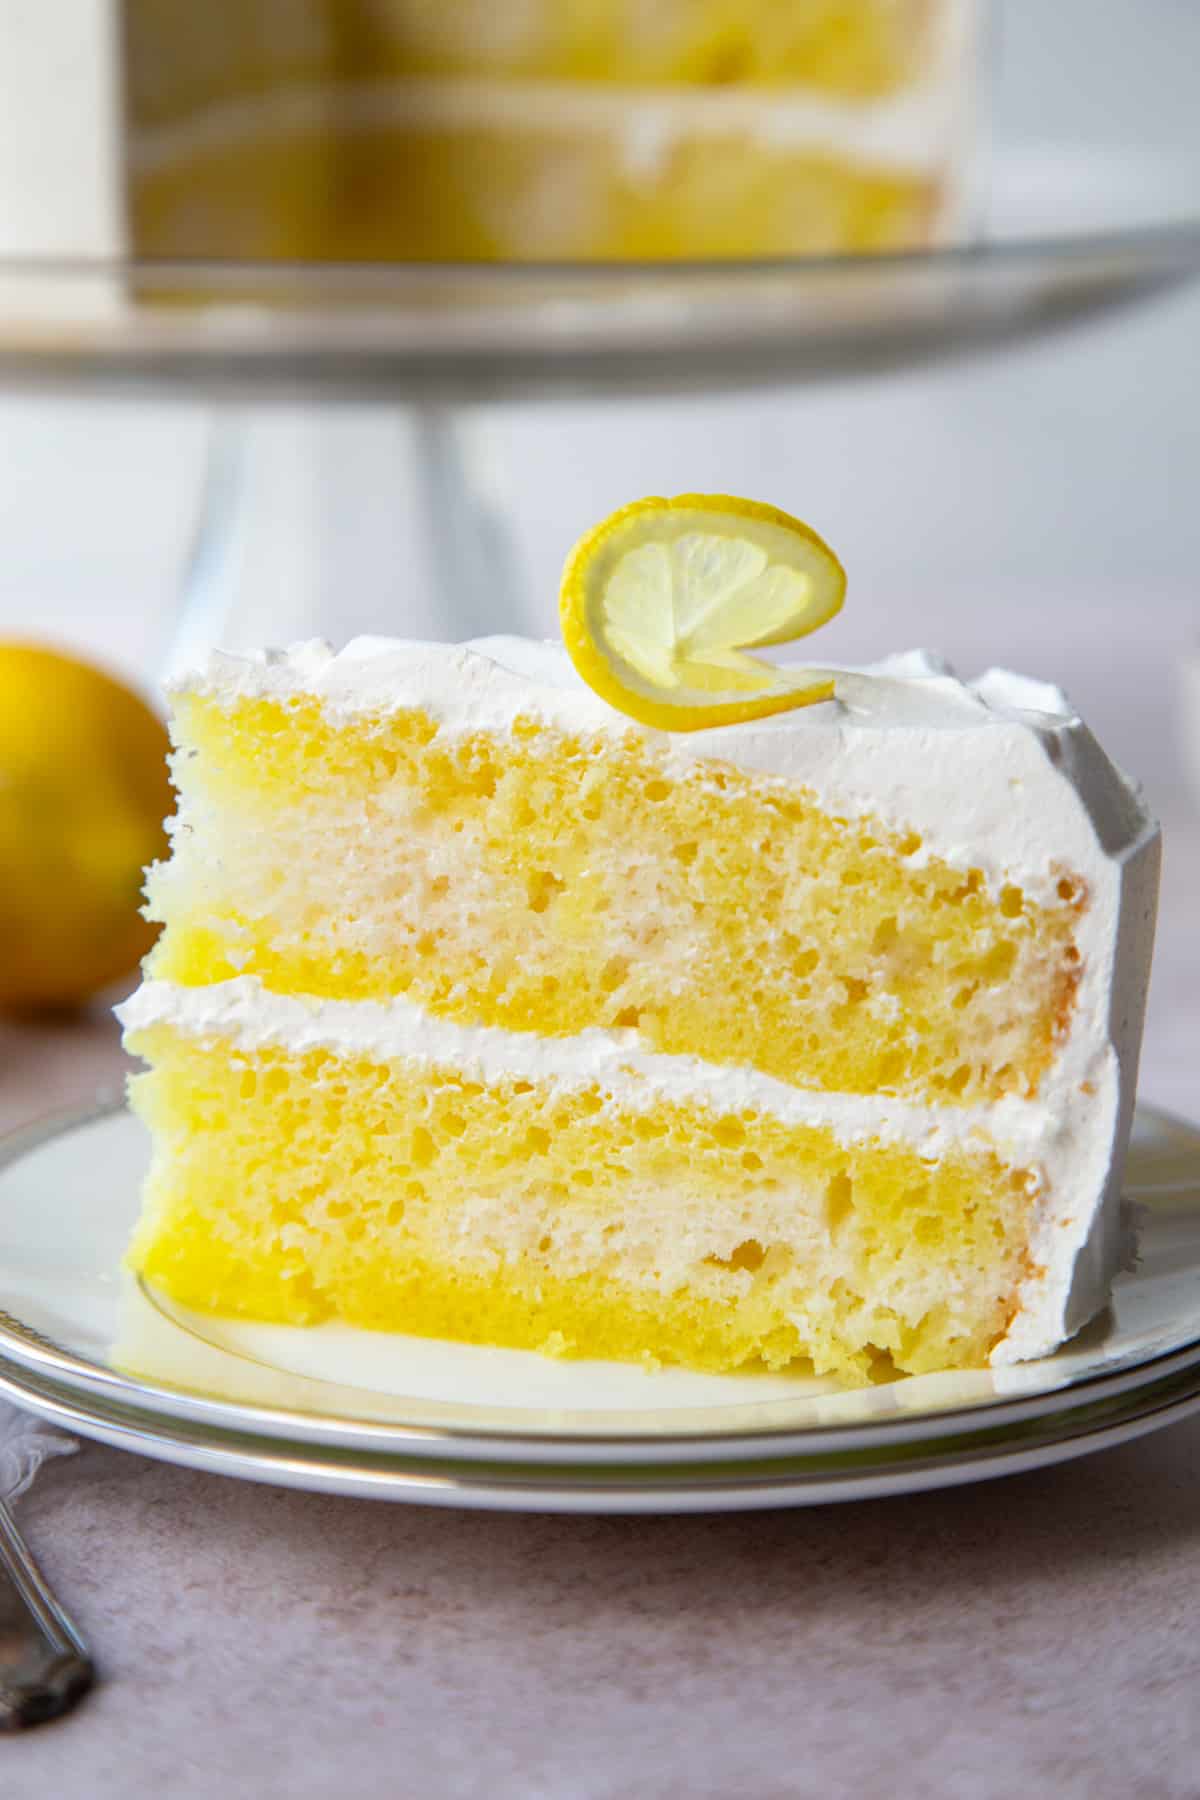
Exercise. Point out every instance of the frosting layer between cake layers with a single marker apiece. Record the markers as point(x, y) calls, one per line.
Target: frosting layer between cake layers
point(409, 1173)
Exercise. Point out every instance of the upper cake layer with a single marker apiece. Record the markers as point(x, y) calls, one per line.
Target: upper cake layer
point(917, 889)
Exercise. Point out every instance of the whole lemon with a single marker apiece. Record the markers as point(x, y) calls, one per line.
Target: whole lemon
point(84, 791)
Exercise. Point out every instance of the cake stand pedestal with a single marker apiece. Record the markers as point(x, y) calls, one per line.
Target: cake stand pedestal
point(343, 401)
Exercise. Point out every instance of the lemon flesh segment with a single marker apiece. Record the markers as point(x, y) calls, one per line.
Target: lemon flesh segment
point(661, 603)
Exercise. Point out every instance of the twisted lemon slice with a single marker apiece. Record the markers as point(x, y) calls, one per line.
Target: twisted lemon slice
point(661, 601)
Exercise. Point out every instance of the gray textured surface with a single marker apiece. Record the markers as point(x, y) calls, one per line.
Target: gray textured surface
point(1032, 1637)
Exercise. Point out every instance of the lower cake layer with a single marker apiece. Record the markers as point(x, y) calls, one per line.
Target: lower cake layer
point(432, 171)
point(582, 1217)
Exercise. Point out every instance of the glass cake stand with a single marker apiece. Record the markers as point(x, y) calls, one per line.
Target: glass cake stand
point(1086, 201)
point(347, 398)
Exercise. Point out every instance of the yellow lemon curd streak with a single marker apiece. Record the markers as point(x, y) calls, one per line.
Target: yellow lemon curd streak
point(299, 1188)
point(546, 882)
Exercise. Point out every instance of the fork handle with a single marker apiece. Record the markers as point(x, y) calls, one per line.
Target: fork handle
point(44, 1664)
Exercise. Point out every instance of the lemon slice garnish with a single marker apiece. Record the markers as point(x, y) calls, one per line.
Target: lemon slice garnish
point(661, 602)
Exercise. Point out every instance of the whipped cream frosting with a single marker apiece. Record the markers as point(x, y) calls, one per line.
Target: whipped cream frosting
point(246, 1013)
point(998, 774)
point(1032, 788)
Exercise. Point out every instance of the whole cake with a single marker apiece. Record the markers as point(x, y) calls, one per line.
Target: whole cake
point(547, 129)
point(484, 1011)
point(482, 129)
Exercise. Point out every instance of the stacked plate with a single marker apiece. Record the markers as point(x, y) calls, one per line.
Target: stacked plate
point(453, 1424)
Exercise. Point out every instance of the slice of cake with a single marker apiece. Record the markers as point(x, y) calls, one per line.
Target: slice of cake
point(483, 1011)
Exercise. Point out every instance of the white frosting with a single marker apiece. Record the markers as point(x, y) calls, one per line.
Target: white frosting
point(998, 774)
point(911, 132)
point(1032, 789)
point(251, 1016)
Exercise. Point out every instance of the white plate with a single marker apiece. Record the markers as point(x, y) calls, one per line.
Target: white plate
point(411, 1418)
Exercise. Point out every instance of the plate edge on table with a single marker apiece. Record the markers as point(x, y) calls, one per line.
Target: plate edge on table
point(23, 1348)
point(529, 1490)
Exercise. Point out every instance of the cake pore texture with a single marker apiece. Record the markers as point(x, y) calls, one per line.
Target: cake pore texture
point(549, 881)
point(551, 1215)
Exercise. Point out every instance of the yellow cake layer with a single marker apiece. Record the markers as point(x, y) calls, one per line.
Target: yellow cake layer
point(182, 57)
point(521, 193)
point(851, 49)
point(304, 1187)
point(548, 883)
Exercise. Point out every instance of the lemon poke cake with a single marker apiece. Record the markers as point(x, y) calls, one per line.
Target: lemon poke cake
point(546, 129)
point(484, 1009)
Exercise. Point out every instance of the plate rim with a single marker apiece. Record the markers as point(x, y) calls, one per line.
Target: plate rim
point(28, 1349)
point(530, 1489)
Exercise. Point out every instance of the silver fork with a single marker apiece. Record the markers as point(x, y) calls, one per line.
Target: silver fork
point(44, 1663)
